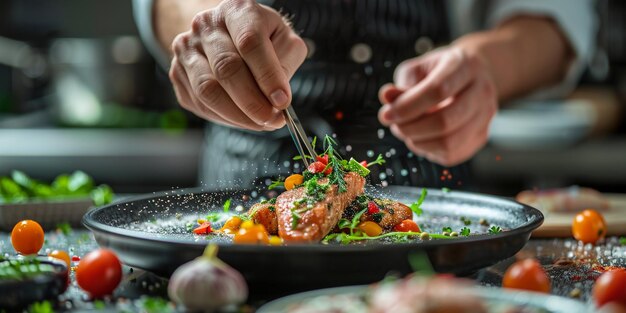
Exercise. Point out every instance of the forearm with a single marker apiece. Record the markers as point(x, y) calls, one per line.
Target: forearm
point(522, 54)
point(172, 17)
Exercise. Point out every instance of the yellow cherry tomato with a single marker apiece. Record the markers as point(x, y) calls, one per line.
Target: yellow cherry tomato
point(589, 226)
point(252, 235)
point(61, 255)
point(27, 237)
point(276, 241)
point(293, 181)
point(246, 225)
point(232, 225)
point(371, 228)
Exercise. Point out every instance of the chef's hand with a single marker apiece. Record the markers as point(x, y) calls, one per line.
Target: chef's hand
point(441, 104)
point(234, 64)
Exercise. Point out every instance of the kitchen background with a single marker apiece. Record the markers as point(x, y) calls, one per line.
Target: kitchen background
point(79, 91)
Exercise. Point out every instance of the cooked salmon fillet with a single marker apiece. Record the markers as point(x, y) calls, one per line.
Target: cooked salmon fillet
point(393, 213)
point(265, 214)
point(319, 218)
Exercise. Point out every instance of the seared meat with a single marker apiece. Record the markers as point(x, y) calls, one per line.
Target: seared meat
point(308, 213)
point(265, 214)
point(393, 213)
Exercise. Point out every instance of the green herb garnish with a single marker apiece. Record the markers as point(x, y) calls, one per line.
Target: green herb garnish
point(379, 161)
point(397, 236)
point(466, 221)
point(416, 206)
point(65, 228)
point(622, 241)
point(336, 177)
point(295, 219)
point(495, 230)
point(447, 229)
point(276, 184)
point(465, 231)
point(41, 307)
point(155, 305)
point(377, 217)
point(355, 221)
point(226, 205)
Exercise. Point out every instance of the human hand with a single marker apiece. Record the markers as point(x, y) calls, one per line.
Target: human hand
point(233, 66)
point(441, 104)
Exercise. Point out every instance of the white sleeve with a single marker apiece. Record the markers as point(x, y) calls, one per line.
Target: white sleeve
point(142, 11)
point(577, 20)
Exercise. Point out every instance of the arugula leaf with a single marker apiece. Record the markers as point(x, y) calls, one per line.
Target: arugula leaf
point(446, 229)
point(495, 230)
point(416, 206)
point(276, 184)
point(465, 231)
point(227, 205)
point(355, 221)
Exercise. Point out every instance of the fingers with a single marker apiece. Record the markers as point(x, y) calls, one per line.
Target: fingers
point(459, 145)
point(453, 114)
point(451, 74)
point(388, 93)
point(230, 70)
point(250, 28)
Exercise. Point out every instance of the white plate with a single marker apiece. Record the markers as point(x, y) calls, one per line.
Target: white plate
point(493, 296)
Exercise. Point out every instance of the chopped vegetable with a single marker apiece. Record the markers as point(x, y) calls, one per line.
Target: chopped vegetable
point(323, 159)
point(372, 208)
point(293, 181)
point(354, 166)
point(416, 206)
point(27, 237)
point(207, 284)
point(232, 225)
point(319, 167)
point(276, 241)
point(203, 229)
point(255, 234)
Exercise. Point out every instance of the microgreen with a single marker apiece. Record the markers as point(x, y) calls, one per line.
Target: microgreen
point(41, 307)
point(416, 206)
point(465, 231)
point(466, 221)
point(276, 184)
point(334, 162)
point(295, 218)
point(226, 205)
point(355, 221)
point(379, 161)
point(65, 228)
point(495, 230)
point(397, 236)
point(446, 229)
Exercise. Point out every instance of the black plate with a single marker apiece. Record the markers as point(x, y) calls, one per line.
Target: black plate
point(19, 294)
point(149, 233)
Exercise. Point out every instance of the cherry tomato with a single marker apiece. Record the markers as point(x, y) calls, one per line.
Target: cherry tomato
point(27, 237)
point(372, 207)
point(610, 287)
point(589, 226)
point(232, 225)
point(293, 181)
point(61, 255)
point(99, 273)
point(318, 167)
point(252, 235)
point(364, 163)
point(323, 159)
point(203, 229)
point(407, 226)
point(370, 228)
point(526, 274)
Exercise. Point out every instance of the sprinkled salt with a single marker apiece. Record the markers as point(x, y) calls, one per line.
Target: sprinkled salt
point(370, 153)
point(404, 172)
point(382, 176)
point(381, 133)
point(286, 163)
point(348, 148)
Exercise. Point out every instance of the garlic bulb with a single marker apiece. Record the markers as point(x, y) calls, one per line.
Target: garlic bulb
point(207, 283)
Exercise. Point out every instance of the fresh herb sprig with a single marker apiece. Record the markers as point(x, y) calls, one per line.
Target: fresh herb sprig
point(622, 241)
point(416, 206)
point(465, 232)
point(216, 216)
point(336, 177)
point(379, 161)
point(359, 236)
point(276, 183)
point(495, 230)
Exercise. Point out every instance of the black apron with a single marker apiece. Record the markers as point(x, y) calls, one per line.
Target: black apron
point(354, 47)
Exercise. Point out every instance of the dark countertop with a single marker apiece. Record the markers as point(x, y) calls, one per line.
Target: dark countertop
point(569, 264)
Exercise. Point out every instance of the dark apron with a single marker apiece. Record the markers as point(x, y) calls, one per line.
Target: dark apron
point(354, 47)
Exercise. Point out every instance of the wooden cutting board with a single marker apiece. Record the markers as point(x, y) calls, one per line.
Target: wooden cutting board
point(560, 224)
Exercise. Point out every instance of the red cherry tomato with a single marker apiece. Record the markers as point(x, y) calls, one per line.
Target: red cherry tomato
point(323, 159)
point(99, 273)
point(407, 226)
point(27, 237)
point(610, 287)
point(589, 226)
point(526, 274)
point(372, 208)
point(318, 167)
point(203, 229)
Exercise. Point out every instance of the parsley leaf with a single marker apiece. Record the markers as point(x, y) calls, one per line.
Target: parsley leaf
point(416, 206)
point(465, 231)
point(446, 229)
point(495, 230)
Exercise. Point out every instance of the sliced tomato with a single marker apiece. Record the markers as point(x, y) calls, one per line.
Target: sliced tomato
point(318, 167)
point(203, 229)
point(323, 159)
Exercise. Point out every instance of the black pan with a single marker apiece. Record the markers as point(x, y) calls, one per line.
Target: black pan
point(149, 233)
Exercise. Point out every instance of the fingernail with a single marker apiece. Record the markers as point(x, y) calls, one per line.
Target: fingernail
point(388, 114)
point(279, 98)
